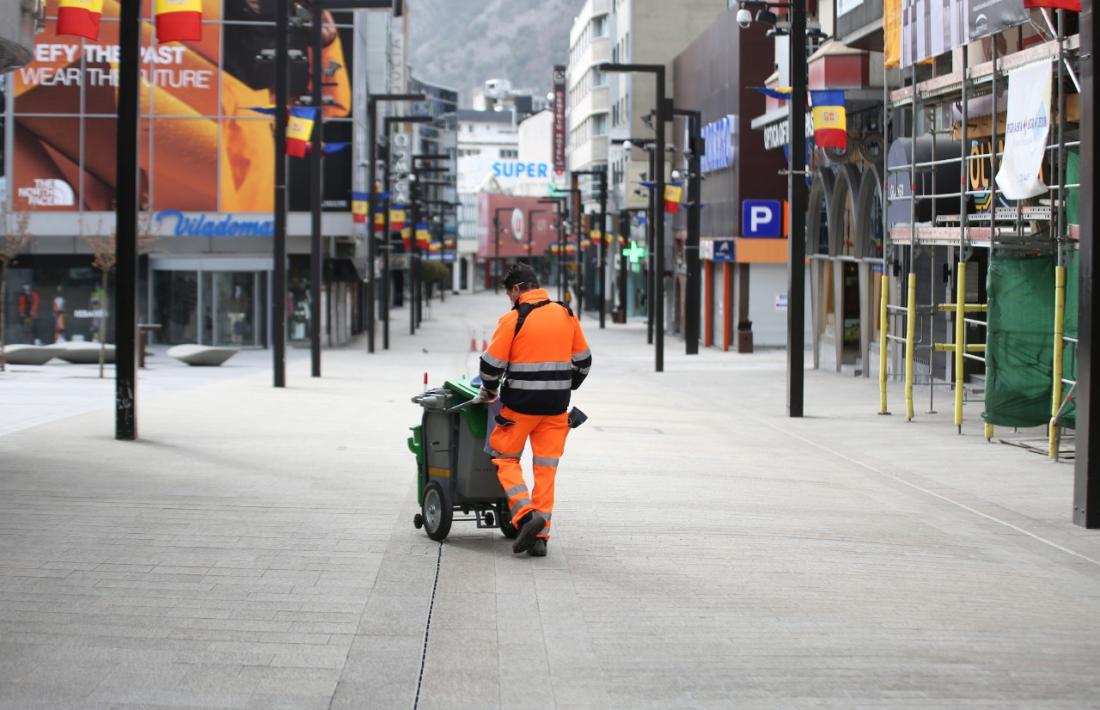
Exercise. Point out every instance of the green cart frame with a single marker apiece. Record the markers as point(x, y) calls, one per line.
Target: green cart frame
point(454, 474)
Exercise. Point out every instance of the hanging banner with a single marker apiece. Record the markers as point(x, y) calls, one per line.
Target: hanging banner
point(559, 119)
point(891, 33)
point(930, 28)
point(988, 17)
point(1026, 128)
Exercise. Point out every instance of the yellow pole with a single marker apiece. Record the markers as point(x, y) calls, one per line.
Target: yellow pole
point(1059, 333)
point(988, 431)
point(910, 343)
point(960, 342)
point(883, 324)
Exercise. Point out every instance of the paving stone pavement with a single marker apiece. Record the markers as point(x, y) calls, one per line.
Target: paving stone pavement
point(255, 548)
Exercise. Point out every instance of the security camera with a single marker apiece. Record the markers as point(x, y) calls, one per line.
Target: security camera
point(744, 18)
point(675, 175)
point(627, 145)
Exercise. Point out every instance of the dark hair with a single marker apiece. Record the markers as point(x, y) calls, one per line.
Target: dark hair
point(521, 275)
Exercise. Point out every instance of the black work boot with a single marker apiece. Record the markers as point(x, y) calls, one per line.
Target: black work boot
point(533, 524)
point(538, 549)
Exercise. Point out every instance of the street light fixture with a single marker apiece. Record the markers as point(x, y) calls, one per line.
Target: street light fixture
point(496, 236)
point(796, 196)
point(372, 198)
point(389, 122)
point(664, 115)
point(694, 150)
point(563, 214)
point(652, 216)
point(601, 177)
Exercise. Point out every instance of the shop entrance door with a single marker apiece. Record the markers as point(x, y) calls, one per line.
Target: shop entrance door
point(211, 301)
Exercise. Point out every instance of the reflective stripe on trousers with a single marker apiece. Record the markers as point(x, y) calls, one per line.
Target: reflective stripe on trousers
point(547, 435)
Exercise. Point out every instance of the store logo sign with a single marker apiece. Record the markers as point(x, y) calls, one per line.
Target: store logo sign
point(48, 192)
point(720, 139)
point(216, 225)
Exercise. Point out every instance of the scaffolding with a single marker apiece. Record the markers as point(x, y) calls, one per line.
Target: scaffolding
point(967, 241)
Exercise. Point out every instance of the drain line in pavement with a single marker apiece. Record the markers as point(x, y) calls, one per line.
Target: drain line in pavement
point(428, 627)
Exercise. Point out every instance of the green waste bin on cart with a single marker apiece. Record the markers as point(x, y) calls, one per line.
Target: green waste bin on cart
point(454, 473)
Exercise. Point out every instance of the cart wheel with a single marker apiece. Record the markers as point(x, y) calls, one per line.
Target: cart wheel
point(418, 521)
point(506, 528)
point(438, 512)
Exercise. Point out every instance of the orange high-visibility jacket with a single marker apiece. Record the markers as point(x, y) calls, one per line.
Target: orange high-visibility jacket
point(543, 362)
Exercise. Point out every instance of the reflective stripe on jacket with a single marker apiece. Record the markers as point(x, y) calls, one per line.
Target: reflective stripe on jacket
point(540, 365)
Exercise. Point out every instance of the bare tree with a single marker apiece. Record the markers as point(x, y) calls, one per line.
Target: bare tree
point(105, 258)
point(14, 240)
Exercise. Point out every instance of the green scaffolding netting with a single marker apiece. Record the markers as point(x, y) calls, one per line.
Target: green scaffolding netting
point(1019, 343)
point(1069, 359)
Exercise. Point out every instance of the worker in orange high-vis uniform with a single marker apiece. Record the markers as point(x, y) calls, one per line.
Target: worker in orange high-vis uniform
point(540, 355)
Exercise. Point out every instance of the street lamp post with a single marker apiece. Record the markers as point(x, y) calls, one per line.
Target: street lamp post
point(415, 194)
point(496, 236)
point(664, 114)
point(796, 196)
point(563, 212)
point(387, 286)
point(601, 178)
point(531, 233)
point(694, 150)
point(372, 199)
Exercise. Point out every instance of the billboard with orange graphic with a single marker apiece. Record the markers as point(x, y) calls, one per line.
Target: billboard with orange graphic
point(203, 148)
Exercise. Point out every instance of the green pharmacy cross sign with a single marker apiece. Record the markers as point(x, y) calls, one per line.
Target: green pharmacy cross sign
point(635, 253)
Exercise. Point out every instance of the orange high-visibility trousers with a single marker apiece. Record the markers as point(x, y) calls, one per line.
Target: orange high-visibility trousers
point(547, 434)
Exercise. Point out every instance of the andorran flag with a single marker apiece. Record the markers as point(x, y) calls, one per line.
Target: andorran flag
point(79, 18)
point(674, 192)
point(299, 130)
point(359, 207)
point(1073, 5)
point(179, 20)
point(423, 236)
point(830, 120)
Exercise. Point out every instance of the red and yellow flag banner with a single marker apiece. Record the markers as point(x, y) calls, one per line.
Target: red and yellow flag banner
point(674, 192)
point(179, 20)
point(830, 119)
point(299, 130)
point(79, 18)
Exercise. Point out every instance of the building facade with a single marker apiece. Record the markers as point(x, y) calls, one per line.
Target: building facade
point(206, 181)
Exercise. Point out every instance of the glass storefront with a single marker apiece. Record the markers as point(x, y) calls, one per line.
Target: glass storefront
point(210, 303)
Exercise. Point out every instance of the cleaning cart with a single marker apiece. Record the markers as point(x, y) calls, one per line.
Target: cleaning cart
point(454, 473)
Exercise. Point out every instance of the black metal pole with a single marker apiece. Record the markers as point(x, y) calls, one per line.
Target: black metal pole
point(562, 241)
point(372, 210)
point(496, 259)
point(650, 238)
point(577, 207)
point(796, 189)
point(126, 213)
point(278, 286)
point(1086, 484)
point(414, 255)
point(387, 244)
point(603, 250)
point(663, 116)
point(691, 246)
point(315, 187)
point(624, 235)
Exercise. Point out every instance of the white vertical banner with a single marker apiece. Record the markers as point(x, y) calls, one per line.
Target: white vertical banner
point(1026, 128)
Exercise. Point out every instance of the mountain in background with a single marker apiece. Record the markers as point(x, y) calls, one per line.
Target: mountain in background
point(462, 43)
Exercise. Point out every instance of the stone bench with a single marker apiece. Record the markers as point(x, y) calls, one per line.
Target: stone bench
point(84, 353)
point(30, 354)
point(202, 355)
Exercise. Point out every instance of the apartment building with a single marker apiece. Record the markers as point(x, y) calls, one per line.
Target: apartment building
point(603, 109)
